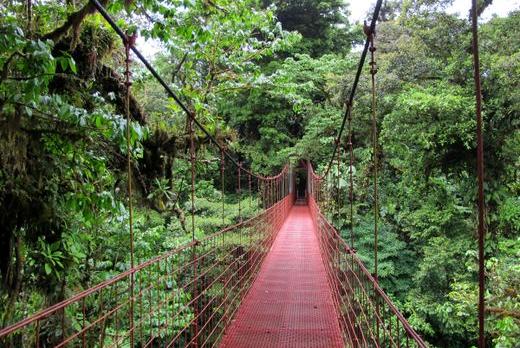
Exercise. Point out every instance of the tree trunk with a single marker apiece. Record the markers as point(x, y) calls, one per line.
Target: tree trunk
point(16, 282)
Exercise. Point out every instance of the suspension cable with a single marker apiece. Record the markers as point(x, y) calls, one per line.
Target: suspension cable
point(353, 89)
point(128, 43)
point(250, 191)
point(373, 72)
point(351, 179)
point(480, 178)
point(337, 177)
point(239, 190)
point(222, 168)
point(190, 118)
point(103, 12)
point(192, 161)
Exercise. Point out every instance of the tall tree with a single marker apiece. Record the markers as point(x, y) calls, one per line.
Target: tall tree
point(323, 24)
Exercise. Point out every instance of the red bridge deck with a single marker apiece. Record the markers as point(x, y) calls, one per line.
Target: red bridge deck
point(290, 302)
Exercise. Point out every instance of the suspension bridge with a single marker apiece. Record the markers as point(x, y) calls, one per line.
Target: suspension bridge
point(283, 278)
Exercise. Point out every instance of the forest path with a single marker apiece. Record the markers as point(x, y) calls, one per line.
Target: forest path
point(290, 303)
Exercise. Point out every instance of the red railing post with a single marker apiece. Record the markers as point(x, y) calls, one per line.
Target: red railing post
point(239, 190)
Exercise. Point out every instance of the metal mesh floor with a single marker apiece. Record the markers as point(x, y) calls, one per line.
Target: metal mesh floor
point(290, 302)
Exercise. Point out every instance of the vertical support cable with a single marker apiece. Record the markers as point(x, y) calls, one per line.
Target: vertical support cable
point(285, 183)
point(319, 188)
point(373, 71)
point(316, 189)
point(222, 168)
point(267, 187)
point(223, 187)
point(264, 201)
point(192, 161)
point(480, 175)
point(338, 180)
point(129, 41)
point(282, 184)
point(351, 174)
point(278, 189)
point(270, 192)
point(266, 192)
point(273, 190)
point(330, 187)
point(250, 191)
point(277, 192)
point(239, 192)
point(327, 195)
point(259, 187)
point(191, 118)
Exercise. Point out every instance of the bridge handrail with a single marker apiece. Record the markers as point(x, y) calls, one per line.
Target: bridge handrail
point(53, 309)
point(318, 214)
point(404, 322)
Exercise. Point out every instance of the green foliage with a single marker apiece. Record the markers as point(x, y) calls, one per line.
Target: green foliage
point(395, 262)
point(428, 127)
point(509, 215)
point(271, 118)
point(427, 172)
point(322, 23)
point(268, 79)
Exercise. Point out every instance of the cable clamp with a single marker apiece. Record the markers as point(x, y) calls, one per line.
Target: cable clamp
point(130, 40)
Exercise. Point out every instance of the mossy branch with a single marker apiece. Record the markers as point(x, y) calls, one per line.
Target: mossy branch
point(73, 21)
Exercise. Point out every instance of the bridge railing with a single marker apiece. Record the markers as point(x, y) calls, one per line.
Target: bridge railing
point(185, 297)
point(367, 316)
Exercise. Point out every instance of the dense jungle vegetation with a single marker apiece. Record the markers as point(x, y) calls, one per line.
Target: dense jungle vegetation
point(269, 79)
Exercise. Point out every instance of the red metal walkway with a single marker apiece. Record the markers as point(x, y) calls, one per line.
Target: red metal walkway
point(290, 302)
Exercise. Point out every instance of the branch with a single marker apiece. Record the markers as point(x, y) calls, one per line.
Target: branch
point(504, 312)
point(179, 66)
point(54, 131)
point(5, 67)
point(238, 88)
point(45, 116)
point(143, 11)
point(26, 78)
point(212, 4)
point(247, 58)
point(481, 7)
point(73, 21)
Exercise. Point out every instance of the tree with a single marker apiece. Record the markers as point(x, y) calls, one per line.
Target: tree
point(323, 24)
